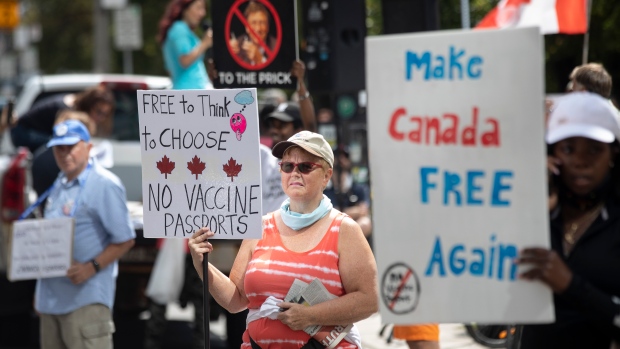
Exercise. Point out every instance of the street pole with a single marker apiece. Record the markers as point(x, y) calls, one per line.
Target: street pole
point(127, 62)
point(465, 21)
point(205, 300)
point(101, 39)
point(586, 36)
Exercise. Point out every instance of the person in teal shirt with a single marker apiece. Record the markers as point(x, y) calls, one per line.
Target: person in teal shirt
point(183, 50)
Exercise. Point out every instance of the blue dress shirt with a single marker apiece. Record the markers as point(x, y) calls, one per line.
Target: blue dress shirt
point(101, 218)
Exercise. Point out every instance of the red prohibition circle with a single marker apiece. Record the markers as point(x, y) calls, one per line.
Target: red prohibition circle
point(234, 10)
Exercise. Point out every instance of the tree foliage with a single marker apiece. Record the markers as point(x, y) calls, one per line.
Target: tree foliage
point(68, 36)
point(67, 42)
point(562, 52)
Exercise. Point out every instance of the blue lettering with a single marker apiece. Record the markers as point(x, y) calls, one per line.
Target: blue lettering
point(451, 180)
point(498, 187)
point(494, 260)
point(439, 71)
point(434, 66)
point(454, 62)
point(424, 62)
point(426, 185)
point(491, 256)
point(436, 257)
point(475, 187)
point(510, 252)
point(473, 71)
point(457, 265)
point(476, 268)
point(472, 187)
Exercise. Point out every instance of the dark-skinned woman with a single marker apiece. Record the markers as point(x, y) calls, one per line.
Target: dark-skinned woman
point(582, 268)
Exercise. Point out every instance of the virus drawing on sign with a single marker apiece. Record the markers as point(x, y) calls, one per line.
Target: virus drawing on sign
point(238, 124)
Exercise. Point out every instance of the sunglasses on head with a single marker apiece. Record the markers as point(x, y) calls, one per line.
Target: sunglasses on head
point(304, 167)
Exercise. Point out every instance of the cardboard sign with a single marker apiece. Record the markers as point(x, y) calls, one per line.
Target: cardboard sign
point(255, 43)
point(457, 157)
point(200, 163)
point(41, 248)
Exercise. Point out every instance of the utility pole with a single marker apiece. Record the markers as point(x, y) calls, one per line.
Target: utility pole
point(101, 38)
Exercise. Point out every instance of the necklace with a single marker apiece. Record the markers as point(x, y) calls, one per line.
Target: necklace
point(570, 234)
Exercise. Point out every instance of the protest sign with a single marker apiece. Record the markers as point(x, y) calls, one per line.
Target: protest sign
point(40, 248)
point(457, 159)
point(255, 42)
point(200, 163)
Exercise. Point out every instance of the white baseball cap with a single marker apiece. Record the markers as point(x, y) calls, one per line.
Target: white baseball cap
point(583, 114)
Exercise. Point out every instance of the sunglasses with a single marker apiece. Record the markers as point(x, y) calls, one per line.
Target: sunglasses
point(303, 167)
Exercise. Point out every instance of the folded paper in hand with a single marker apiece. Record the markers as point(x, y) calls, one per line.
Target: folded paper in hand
point(311, 294)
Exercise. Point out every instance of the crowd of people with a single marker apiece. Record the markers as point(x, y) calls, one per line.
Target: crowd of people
point(317, 222)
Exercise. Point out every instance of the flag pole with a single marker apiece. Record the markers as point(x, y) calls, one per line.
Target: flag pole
point(586, 36)
point(205, 300)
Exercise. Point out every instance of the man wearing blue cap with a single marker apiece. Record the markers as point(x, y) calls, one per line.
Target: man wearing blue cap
point(76, 309)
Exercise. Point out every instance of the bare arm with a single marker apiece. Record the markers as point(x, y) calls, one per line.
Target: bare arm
point(358, 272)
point(227, 291)
point(206, 42)
point(80, 272)
point(306, 108)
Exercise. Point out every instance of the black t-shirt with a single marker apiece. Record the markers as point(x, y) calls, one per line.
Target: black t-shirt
point(588, 312)
point(352, 197)
point(42, 115)
point(44, 170)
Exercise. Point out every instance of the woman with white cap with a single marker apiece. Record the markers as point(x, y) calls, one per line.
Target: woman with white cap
point(582, 268)
point(305, 239)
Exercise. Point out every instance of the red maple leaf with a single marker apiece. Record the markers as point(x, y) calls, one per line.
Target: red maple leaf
point(196, 166)
point(232, 169)
point(165, 166)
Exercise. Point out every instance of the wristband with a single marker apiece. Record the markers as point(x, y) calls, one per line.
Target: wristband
point(95, 264)
point(304, 96)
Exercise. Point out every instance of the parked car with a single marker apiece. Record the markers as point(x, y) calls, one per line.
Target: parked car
point(15, 185)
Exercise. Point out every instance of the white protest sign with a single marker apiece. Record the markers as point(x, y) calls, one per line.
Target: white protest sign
point(41, 248)
point(457, 159)
point(200, 163)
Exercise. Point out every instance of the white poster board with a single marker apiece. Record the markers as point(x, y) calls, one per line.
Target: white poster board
point(41, 248)
point(200, 163)
point(457, 159)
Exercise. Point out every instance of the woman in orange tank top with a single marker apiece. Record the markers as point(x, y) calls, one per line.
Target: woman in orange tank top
point(308, 241)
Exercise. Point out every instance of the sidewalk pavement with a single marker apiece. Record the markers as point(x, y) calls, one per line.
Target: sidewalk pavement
point(451, 336)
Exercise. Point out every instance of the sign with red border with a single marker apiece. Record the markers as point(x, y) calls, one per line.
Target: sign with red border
point(270, 52)
point(250, 55)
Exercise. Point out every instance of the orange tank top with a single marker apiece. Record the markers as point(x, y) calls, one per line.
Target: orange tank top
point(271, 272)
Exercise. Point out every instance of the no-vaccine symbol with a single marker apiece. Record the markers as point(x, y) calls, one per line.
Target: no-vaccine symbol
point(400, 289)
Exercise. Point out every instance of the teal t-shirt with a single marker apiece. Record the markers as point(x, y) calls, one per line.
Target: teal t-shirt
point(180, 41)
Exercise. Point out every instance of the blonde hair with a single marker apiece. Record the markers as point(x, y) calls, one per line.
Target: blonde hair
point(81, 116)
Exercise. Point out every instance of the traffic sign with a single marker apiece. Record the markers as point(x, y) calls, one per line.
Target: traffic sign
point(346, 106)
point(9, 14)
point(128, 28)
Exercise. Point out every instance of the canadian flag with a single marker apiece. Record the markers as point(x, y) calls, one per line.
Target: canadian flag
point(552, 16)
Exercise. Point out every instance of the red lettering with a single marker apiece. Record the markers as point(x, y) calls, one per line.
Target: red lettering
point(393, 132)
point(445, 129)
point(433, 123)
point(469, 133)
point(449, 135)
point(415, 136)
point(491, 138)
